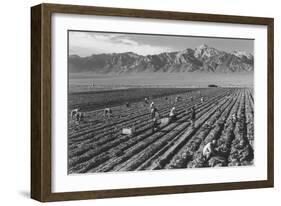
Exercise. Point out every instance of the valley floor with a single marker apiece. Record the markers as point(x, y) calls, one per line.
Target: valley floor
point(79, 82)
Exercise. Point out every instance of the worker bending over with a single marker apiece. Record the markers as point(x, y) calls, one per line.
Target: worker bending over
point(208, 150)
point(155, 119)
point(192, 116)
point(172, 115)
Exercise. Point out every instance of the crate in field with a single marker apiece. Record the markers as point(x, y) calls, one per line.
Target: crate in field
point(128, 131)
point(164, 121)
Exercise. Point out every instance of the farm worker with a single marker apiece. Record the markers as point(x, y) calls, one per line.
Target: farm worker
point(107, 113)
point(152, 112)
point(155, 118)
point(79, 117)
point(178, 98)
point(74, 113)
point(152, 106)
point(192, 115)
point(127, 104)
point(202, 99)
point(82, 115)
point(145, 100)
point(233, 118)
point(191, 99)
point(208, 149)
point(172, 114)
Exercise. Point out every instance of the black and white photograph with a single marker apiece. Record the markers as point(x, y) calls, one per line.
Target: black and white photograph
point(142, 102)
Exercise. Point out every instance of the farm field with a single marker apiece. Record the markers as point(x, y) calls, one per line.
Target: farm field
point(93, 100)
point(97, 144)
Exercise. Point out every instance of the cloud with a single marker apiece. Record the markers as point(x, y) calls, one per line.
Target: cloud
point(88, 43)
point(128, 42)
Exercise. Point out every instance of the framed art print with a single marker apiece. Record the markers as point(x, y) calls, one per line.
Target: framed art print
point(130, 102)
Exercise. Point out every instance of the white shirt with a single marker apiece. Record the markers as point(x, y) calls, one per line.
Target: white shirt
point(208, 148)
point(172, 113)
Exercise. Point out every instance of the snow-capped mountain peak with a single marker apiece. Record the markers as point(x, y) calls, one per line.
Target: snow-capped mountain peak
point(200, 59)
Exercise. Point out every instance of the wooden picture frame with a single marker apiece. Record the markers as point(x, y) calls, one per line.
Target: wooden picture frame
point(41, 171)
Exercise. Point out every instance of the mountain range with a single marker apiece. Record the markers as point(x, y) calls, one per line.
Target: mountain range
point(201, 59)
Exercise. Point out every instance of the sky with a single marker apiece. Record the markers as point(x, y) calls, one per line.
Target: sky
point(86, 43)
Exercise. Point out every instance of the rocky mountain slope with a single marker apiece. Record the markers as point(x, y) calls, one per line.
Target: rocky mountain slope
point(201, 59)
